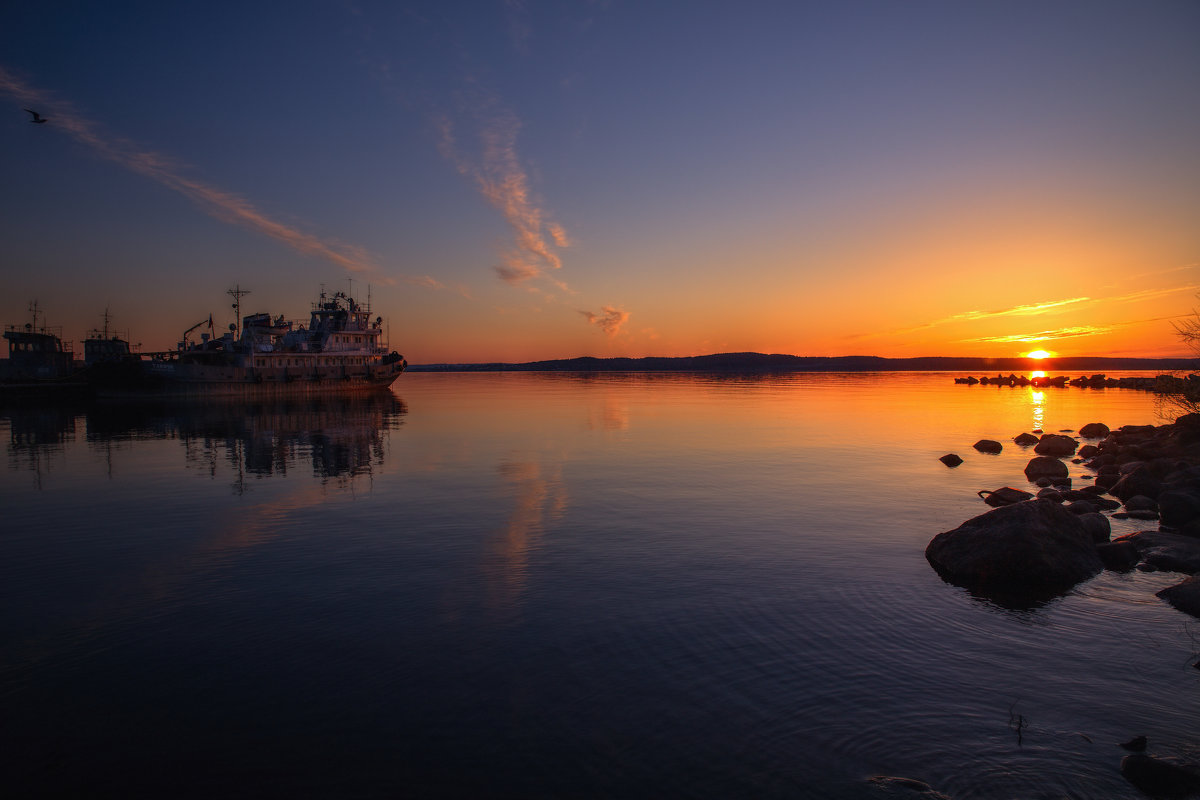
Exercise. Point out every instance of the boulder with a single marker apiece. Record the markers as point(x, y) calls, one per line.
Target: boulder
point(1139, 502)
point(1137, 481)
point(1088, 451)
point(1082, 507)
point(1050, 493)
point(1159, 778)
point(950, 460)
point(1045, 467)
point(1178, 507)
point(1053, 444)
point(1169, 552)
point(1120, 556)
point(1094, 430)
point(1018, 553)
point(1097, 525)
point(1184, 596)
point(1026, 439)
point(988, 446)
point(1003, 497)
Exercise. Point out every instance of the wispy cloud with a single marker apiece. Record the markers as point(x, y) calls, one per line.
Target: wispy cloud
point(1030, 310)
point(1068, 333)
point(610, 320)
point(223, 205)
point(1044, 336)
point(1150, 294)
point(502, 181)
point(1034, 309)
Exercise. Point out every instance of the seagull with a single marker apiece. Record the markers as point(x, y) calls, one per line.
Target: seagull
point(37, 118)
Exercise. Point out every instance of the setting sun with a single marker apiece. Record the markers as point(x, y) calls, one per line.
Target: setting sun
point(1038, 354)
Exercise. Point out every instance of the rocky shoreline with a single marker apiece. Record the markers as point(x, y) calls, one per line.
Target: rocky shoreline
point(1034, 547)
point(1163, 384)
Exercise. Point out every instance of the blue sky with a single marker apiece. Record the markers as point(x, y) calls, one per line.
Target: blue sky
point(520, 180)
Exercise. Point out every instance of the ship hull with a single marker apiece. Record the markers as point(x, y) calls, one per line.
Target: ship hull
point(166, 379)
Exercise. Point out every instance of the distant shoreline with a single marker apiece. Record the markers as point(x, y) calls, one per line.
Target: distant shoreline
point(760, 362)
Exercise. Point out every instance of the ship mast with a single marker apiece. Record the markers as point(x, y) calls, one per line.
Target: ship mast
point(237, 293)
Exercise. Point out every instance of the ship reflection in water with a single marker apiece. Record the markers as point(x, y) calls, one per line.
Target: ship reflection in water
point(339, 437)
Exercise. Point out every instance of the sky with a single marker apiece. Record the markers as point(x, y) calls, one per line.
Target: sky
point(514, 180)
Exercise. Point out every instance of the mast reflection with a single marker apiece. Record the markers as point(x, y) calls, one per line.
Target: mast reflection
point(336, 437)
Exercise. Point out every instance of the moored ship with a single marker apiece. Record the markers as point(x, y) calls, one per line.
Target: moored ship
point(340, 350)
point(38, 360)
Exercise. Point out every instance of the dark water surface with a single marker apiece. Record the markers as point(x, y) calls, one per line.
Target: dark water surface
point(529, 585)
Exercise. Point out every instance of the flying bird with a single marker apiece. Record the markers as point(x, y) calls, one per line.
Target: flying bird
point(37, 118)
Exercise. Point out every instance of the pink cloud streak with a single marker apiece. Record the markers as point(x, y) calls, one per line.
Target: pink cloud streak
point(218, 203)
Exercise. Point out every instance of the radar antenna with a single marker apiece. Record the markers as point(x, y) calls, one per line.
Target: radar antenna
point(237, 293)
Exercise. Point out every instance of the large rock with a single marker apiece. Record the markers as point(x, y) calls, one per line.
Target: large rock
point(1169, 552)
point(1159, 778)
point(1025, 439)
point(1045, 467)
point(1053, 444)
point(1017, 554)
point(1184, 596)
point(1094, 430)
point(1097, 525)
point(1120, 555)
point(1138, 481)
point(1178, 507)
point(988, 446)
point(1140, 502)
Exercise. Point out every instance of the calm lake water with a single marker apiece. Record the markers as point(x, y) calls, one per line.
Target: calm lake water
point(533, 585)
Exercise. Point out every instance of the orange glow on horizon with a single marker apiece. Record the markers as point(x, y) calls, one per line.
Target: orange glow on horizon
point(1038, 355)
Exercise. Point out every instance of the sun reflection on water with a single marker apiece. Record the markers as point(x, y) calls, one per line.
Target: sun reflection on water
point(1038, 400)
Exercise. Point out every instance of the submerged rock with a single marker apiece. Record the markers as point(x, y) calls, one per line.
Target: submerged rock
point(988, 446)
point(1135, 745)
point(1031, 550)
point(1003, 497)
point(1025, 439)
point(1094, 430)
point(951, 460)
point(906, 787)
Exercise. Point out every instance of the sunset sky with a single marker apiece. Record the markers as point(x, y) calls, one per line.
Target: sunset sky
point(524, 180)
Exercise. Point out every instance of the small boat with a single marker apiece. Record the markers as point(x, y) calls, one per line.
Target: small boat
point(338, 351)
